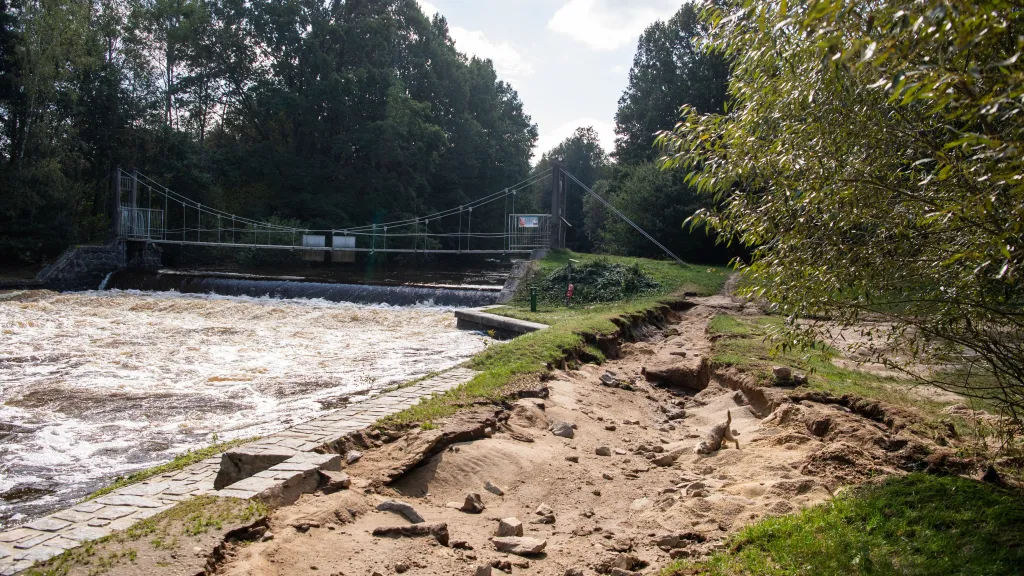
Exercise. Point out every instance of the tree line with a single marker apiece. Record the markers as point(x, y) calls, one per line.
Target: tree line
point(669, 70)
point(327, 114)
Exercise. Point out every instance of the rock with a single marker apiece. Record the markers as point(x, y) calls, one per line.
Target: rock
point(667, 459)
point(626, 562)
point(438, 531)
point(782, 373)
point(493, 488)
point(620, 452)
point(676, 414)
point(606, 476)
point(332, 481)
point(610, 427)
point(483, 570)
point(401, 568)
point(562, 429)
point(503, 565)
point(573, 572)
point(510, 527)
point(520, 546)
point(691, 372)
point(473, 504)
point(547, 519)
point(695, 487)
point(588, 513)
point(573, 459)
point(267, 536)
point(353, 456)
point(543, 510)
point(799, 379)
point(402, 508)
point(820, 427)
point(603, 451)
point(461, 545)
point(608, 379)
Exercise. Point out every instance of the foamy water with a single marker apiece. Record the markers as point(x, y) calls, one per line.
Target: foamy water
point(98, 384)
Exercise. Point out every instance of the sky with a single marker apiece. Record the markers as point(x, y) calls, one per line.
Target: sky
point(568, 59)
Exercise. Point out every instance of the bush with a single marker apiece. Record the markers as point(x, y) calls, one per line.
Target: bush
point(598, 281)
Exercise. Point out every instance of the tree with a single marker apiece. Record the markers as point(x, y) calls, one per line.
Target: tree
point(669, 70)
point(871, 160)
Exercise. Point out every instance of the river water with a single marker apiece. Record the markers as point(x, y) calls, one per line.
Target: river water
point(98, 384)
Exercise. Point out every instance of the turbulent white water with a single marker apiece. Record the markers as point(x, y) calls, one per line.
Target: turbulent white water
point(97, 384)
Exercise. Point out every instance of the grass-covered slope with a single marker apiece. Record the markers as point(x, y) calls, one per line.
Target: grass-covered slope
point(917, 525)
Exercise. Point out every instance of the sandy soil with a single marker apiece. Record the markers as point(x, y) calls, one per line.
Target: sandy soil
point(651, 500)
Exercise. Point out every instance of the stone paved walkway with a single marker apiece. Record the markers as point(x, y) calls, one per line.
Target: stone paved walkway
point(51, 535)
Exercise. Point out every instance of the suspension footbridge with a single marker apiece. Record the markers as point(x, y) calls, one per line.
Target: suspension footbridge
point(151, 212)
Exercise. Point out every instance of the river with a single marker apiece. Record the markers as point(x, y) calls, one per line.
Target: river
point(98, 384)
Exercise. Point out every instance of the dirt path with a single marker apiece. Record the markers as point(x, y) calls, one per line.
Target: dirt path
point(652, 499)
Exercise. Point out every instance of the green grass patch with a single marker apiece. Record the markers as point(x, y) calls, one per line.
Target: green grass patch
point(743, 342)
point(917, 525)
point(180, 461)
point(188, 518)
point(528, 355)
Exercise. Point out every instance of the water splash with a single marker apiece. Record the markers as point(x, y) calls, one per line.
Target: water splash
point(98, 384)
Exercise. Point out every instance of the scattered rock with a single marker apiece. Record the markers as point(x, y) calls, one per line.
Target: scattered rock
point(402, 508)
point(588, 513)
point(510, 527)
point(627, 562)
point(353, 456)
point(667, 459)
point(503, 565)
point(473, 504)
point(620, 452)
point(606, 476)
point(332, 481)
point(483, 570)
point(573, 572)
point(782, 373)
point(521, 546)
point(546, 519)
point(305, 526)
point(438, 531)
point(401, 568)
point(543, 510)
point(573, 459)
point(610, 428)
point(461, 545)
point(493, 488)
point(603, 451)
point(799, 379)
point(676, 414)
point(267, 536)
point(820, 427)
point(562, 429)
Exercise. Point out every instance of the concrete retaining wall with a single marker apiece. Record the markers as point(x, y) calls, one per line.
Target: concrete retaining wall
point(85, 267)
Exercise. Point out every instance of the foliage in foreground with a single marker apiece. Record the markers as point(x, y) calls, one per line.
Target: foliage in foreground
point(872, 161)
point(915, 525)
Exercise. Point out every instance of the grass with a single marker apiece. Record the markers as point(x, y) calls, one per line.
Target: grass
point(189, 518)
point(527, 356)
point(916, 525)
point(743, 342)
point(180, 461)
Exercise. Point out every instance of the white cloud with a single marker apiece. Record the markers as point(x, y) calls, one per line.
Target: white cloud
point(508, 62)
point(552, 138)
point(428, 8)
point(609, 24)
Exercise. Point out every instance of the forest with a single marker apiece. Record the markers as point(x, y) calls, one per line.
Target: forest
point(327, 114)
point(320, 115)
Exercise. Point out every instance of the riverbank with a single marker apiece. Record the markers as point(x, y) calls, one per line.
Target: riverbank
point(530, 432)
